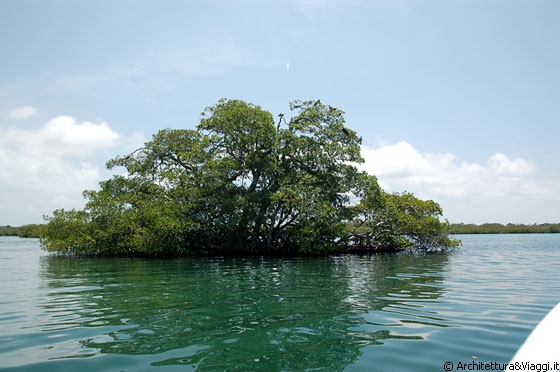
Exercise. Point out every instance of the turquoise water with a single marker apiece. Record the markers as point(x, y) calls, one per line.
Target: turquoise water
point(350, 313)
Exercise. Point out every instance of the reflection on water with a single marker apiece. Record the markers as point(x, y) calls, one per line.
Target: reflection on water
point(240, 314)
point(395, 312)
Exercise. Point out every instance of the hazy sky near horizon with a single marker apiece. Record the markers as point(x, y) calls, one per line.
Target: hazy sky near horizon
point(456, 100)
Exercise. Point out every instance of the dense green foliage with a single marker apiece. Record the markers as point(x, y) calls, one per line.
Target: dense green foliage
point(399, 221)
point(497, 228)
point(25, 231)
point(242, 184)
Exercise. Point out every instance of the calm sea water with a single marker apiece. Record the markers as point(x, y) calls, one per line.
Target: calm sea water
point(380, 313)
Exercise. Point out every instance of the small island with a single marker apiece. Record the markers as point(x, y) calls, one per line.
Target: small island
point(247, 183)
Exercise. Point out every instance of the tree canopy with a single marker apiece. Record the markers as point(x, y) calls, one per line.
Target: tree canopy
point(243, 183)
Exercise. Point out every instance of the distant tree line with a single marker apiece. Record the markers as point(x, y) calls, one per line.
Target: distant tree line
point(510, 228)
point(25, 231)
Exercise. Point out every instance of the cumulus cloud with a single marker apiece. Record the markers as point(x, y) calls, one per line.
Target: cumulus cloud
point(502, 165)
point(23, 112)
point(53, 157)
point(401, 167)
point(501, 189)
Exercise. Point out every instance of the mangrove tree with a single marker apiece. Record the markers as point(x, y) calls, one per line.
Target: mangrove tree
point(245, 182)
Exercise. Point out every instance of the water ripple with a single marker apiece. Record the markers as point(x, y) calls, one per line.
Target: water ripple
point(339, 313)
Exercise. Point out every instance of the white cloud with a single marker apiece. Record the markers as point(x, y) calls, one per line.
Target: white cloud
point(52, 157)
point(61, 136)
point(497, 188)
point(502, 165)
point(401, 165)
point(48, 167)
point(23, 112)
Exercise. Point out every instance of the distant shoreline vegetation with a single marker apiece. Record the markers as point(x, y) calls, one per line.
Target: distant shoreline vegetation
point(25, 231)
point(510, 228)
point(35, 230)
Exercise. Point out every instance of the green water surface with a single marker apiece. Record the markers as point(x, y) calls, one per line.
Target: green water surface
point(346, 313)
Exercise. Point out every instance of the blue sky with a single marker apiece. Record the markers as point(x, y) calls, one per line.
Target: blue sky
point(457, 100)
